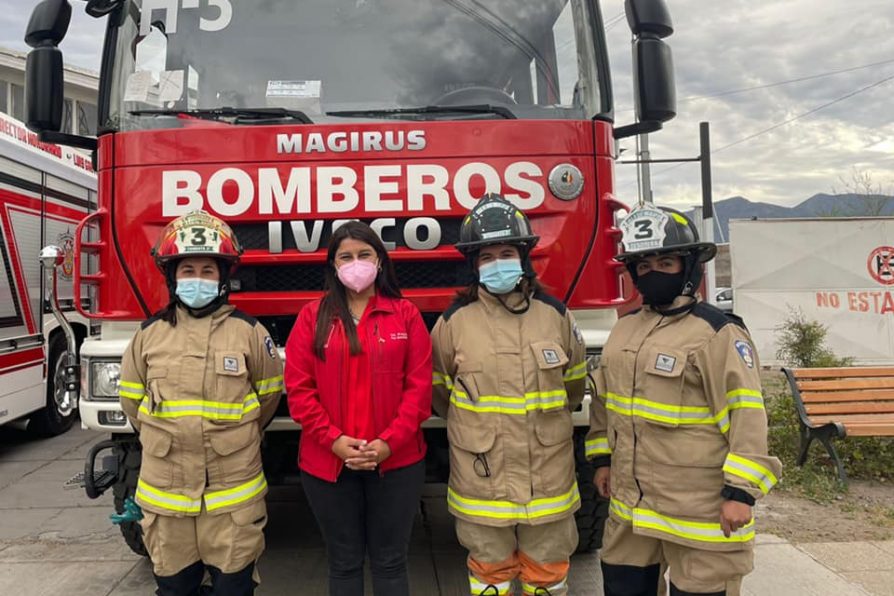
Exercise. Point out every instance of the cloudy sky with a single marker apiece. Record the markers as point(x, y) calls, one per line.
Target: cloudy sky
point(839, 121)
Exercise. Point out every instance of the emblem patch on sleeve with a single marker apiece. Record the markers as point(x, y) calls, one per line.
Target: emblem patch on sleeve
point(551, 357)
point(231, 364)
point(271, 347)
point(665, 363)
point(746, 352)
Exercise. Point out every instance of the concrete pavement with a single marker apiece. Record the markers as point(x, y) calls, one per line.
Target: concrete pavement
point(59, 543)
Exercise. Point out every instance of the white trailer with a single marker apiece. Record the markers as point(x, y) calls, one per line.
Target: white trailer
point(45, 190)
point(837, 271)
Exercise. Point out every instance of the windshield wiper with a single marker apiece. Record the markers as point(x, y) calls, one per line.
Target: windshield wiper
point(255, 115)
point(386, 113)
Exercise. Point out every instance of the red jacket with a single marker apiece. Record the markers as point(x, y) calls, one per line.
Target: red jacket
point(401, 380)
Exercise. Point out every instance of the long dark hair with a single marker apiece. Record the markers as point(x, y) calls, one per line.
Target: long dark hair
point(334, 304)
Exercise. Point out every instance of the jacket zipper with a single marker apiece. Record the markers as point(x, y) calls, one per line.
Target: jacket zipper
point(633, 418)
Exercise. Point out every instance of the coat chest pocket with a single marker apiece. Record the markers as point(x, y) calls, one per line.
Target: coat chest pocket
point(232, 385)
point(551, 360)
point(662, 389)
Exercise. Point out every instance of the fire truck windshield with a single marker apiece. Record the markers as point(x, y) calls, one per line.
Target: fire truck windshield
point(359, 59)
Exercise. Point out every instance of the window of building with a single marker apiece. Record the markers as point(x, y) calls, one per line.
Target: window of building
point(4, 99)
point(86, 119)
point(18, 102)
point(68, 116)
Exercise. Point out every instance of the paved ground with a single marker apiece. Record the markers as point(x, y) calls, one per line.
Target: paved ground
point(55, 542)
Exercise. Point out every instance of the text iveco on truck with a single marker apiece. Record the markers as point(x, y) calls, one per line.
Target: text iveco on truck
point(287, 118)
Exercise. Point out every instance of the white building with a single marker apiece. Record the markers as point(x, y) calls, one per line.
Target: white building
point(81, 85)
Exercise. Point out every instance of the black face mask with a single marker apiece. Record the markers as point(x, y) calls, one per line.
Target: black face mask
point(660, 289)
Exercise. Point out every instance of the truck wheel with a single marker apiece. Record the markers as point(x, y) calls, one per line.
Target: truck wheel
point(593, 509)
point(52, 419)
point(129, 457)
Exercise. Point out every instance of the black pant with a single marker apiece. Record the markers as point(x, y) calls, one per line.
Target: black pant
point(188, 582)
point(365, 512)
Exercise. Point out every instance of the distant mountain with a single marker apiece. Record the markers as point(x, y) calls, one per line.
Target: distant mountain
point(819, 205)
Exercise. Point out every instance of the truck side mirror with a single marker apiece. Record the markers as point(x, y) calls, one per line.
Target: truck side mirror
point(43, 70)
point(653, 64)
point(656, 93)
point(649, 17)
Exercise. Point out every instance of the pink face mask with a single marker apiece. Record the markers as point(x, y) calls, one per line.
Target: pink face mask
point(358, 275)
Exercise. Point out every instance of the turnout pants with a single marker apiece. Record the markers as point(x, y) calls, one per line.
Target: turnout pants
point(538, 555)
point(631, 565)
point(228, 544)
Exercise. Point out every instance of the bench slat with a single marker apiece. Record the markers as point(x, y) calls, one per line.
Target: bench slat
point(846, 419)
point(842, 384)
point(851, 408)
point(832, 397)
point(841, 373)
point(870, 430)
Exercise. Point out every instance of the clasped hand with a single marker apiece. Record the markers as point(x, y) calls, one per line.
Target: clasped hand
point(359, 454)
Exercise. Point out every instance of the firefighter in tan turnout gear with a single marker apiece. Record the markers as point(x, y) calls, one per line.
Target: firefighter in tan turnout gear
point(508, 370)
point(199, 382)
point(678, 430)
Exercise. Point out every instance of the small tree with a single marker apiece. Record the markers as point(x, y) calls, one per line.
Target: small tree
point(873, 196)
point(802, 343)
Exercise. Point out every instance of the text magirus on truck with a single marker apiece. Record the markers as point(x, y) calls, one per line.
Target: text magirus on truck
point(400, 113)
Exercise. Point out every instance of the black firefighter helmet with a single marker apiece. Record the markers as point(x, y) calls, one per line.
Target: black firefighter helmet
point(651, 230)
point(494, 220)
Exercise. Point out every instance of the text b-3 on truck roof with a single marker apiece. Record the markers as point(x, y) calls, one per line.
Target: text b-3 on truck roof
point(288, 118)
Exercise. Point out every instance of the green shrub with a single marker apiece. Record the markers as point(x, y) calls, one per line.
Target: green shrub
point(802, 343)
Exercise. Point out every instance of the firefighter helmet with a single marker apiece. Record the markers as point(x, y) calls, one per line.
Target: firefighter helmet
point(494, 220)
point(196, 234)
point(649, 230)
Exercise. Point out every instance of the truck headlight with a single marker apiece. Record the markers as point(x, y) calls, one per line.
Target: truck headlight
point(105, 377)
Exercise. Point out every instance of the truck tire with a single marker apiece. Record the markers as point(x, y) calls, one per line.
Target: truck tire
point(129, 455)
point(50, 420)
point(593, 509)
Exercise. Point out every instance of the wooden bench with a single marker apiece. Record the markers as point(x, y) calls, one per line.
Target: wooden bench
point(834, 403)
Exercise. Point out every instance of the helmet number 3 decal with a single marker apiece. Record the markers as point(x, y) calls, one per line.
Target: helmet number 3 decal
point(644, 228)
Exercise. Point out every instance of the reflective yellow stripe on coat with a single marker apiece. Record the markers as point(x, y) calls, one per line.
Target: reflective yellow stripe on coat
point(575, 373)
point(212, 499)
point(690, 530)
point(271, 385)
point(598, 446)
point(513, 511)
point(485, 404)
point(750, 470)
point(213, 410)
point(130, 390)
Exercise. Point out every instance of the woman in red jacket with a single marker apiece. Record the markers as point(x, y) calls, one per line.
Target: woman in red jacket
point(358, 376)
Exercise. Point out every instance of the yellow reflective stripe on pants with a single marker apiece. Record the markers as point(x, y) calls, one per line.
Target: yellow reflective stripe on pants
point(744, 398)
point(441, 379)
point(513, 511)
point(532, 590)
point(131, 390)
point(537, 400)
point(478, 587)
point(710, 532)
point(750, 470)
point(659, 412)
point(597, 447)
point(165, 500)
point(271, 385)
point(234, 496)
point(576, 372)
point(213, 410)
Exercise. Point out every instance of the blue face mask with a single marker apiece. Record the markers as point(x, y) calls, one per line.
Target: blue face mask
point(500, 276)
point(197, 293)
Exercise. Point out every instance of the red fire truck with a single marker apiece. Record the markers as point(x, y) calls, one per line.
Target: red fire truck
point(45, 190)
point(289, 118)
